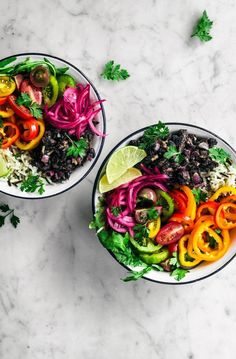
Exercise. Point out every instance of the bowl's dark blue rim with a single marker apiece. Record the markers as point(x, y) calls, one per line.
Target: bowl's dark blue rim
point(103, 117)
point(103, 165)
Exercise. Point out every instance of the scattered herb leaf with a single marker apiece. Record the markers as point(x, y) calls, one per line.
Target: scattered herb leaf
point(24, 100)
point(114, 72)
point(77, 148)
point(152, 213)
point(135, 275)
point(152, 134)
point(173, 152)
point(8, 212)
point(219, 155)
point(203, 27)
point(179, 273)
point(33, 183)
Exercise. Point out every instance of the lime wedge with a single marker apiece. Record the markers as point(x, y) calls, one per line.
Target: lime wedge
point(129, 175)
point(122, 160)
point(3, 167)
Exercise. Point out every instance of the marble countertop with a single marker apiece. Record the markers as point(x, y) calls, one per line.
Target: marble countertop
point(60, 292)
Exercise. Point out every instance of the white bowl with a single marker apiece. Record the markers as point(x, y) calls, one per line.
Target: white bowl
point(203, 270)
point(81, 172)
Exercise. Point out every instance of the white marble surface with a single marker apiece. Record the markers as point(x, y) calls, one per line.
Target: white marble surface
point(60, 293)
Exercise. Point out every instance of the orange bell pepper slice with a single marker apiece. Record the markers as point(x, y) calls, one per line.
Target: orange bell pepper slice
point(10, 133)
point(222, 191)
point(225, 216)
point(208, 207)
point(184, 259)
point(191, 207)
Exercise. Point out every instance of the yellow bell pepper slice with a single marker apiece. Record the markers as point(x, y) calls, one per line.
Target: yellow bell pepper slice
point(183, 254)
point(222, 191)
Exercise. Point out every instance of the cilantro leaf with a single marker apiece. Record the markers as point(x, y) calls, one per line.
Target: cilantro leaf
point(179, 273)
point(219, 155)
point(14, 220)
point(78, 148)
point(116, 211)
point(199, 195)
point(203, 27)
point(135, 275)
point(33, 183)
point(114, 72)
point(141, 232)
point(173, 152)
point(174, 261)
point(152, 134)
point(35, 110)
point(218, 231)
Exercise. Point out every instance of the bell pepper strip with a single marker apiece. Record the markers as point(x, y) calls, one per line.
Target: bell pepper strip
point(6, 112)
point(29, 129)
point(10, 134)
point(187, 222)
point(206, 208)
point(149, 248)
point(229, 199)
point(222, 191)
point(20, 110)
point(3, 100)
point(12, 119)
point(155, 258)
point(180, 200)
point(190, 210)
point(167, 204)
point(154, 227)
point(206, 252)
point(225, 215)
point(204, 218)
point(26, 146)
point(185, 260)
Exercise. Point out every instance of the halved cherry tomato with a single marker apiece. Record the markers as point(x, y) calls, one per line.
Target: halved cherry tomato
point(29, 129)
point(170, 233)
point(206, 208)
point(186, 222)
point(20, 110)
point(2, 100)
point(34, 93)
point(10, 134)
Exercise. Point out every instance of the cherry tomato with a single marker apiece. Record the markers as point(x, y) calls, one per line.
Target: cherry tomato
point(148, 193)
point(39, 76)
point(29, 129)
point(34, 93)
point(20, 110)
point(173, 247)
point(7, 86)
point(170, 233)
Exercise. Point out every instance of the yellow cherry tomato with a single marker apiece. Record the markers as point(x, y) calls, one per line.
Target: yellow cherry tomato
point(154, 227)
point(7, 86)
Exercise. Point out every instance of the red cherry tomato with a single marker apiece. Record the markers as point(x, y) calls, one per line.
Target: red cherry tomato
point(29, 129)
point(173, 247)
point(34, 93)
point(20, 110)
point(170, 233)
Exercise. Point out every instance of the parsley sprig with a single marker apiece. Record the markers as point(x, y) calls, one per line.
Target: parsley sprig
point(113, 72)
point(7, 211)
point(172, 152)
point(116, 211)
point(219, 155)
point(152, 134)
point(77, 148)
point(176, 271)
point(203, 27)
point(25, 100)
point(33, 183)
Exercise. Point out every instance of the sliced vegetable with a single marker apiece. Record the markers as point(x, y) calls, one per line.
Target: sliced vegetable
point(65, 81)
point(29, 129)
point(154, 227)
point(27, 146)
point(186, 222)
point(7, 86)
point(148, 193)
point(149, 248)
point(155, 258)
point(185, 260)
point(180, 200)
point(50, 92)
point(39, 76)
point(167, 203)
point(207, 208)
point(5, 111)
point(10, 134)
point(191, 203)
point(3, 100)
point(223, 191)
point(34, 93)
point(20, 110)
point(225, 216)
point(170, 233)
